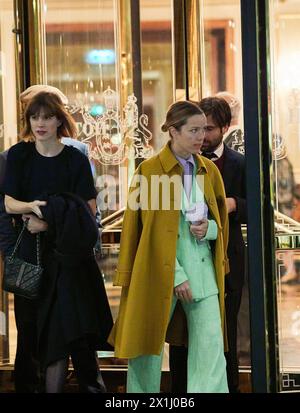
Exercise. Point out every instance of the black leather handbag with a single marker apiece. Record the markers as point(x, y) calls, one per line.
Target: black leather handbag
point(21, 277)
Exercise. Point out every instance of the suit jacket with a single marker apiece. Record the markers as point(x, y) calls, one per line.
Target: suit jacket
point(82, 147)
point(235, 186)
point(3, 156)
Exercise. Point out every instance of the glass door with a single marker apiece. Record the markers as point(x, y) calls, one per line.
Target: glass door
point(90, 57)
point(113, 59)
point(221, 69)
point(8, 106)
point(285, 64)
point(8, 137)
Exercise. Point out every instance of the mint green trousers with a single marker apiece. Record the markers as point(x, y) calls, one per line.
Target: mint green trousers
point(206, 362)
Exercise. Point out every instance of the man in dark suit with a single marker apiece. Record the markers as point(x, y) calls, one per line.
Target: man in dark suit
point(232, 167)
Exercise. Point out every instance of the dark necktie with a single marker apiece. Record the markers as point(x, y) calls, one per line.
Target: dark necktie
point(209, 155)
point(188, 178)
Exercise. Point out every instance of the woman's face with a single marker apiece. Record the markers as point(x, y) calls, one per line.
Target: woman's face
point(44, 127)
point(189, 139)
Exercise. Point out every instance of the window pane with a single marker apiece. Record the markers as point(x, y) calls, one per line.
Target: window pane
point(222, 72)
point(8, 122)
point(285, 103)
point(82, 62)
point(157, 64)
point(222, 69)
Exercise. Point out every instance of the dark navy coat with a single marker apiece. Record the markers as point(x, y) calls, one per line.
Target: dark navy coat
point(73, 302)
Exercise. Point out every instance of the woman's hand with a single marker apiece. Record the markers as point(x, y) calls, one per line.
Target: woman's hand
point(199, 230)
point(183, 292)
point(14, 206)
point(93, 206)
point(35, 207)
point(35, 225)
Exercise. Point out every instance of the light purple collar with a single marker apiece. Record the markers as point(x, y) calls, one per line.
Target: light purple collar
point(185, 162)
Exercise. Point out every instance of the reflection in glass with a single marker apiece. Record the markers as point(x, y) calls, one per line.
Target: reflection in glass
point(107, 263)
point(222, 68)
point(222, 41)
point(88, 56)
point(222, 72)
point(285, 98)
point(285, 92)
point(81, 60)
point(157, 64)
point(288, 270)
point(82, 48)
point(8, 115)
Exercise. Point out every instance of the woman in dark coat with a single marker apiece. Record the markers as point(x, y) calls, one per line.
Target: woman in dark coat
point(72, 315)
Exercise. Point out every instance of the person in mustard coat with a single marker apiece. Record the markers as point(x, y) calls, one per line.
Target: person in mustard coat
point(173, 247)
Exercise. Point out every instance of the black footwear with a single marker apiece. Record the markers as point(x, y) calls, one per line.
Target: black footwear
point(97, 387)
point(234, 390)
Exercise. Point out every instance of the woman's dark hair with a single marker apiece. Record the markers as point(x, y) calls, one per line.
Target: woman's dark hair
point(52, 106)
point(179, 113)
point(219, 110)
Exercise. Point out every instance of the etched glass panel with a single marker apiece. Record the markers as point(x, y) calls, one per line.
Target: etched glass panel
point(222, 72)
point(285, 104)
point(157, 64)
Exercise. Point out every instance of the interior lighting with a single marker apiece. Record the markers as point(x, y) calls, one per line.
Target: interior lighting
point(100, 56)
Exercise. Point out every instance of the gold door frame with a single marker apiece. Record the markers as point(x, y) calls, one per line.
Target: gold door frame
point(187, 35)
point(30, 46)
point(188, 52)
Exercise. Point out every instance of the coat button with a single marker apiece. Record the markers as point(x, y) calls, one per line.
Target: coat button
point(202, 260)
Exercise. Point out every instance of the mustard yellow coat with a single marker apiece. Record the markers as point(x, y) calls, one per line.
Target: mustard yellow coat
point(146, 263)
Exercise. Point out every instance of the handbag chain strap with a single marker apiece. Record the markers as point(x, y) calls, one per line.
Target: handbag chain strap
point(38, 244)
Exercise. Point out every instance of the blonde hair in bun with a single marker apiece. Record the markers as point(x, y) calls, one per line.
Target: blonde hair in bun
point(164, 128)
point(178, 114)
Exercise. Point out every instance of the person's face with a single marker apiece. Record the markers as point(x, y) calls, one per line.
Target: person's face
point(44, 127)
point(188, 140)
point(213, 135)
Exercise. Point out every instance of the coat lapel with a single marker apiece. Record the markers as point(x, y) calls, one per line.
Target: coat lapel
point(168, 162)
point(209, 193)
point(229, 169)
point(211, 200)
